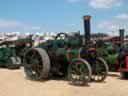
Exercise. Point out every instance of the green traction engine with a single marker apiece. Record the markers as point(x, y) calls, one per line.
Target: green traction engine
point(66, 57)
point(116, 55)
point(8, 57)
point(109, 52)
point(21, 45)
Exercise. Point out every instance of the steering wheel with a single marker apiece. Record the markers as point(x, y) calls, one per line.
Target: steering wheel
point(60, 35)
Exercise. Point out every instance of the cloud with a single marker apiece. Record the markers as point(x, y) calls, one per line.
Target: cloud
point(71, 25)
point(115, 23)
point(9, 23)
point(123, 16)
point(13, 25)
point(73, 1)
point(36, 28)
point(109, 25)
point(105, 3)
point(112, 26)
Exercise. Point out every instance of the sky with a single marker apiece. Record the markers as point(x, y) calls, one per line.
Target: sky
point(107, 16)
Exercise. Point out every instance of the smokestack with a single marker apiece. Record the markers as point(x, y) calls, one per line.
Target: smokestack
point(87, 33)
point(121, 32)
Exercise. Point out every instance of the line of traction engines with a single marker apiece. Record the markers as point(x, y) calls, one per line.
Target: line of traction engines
point(65, 56)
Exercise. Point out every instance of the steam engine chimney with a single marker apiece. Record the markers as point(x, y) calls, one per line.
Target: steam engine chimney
point(87, 32)
point(121, 32)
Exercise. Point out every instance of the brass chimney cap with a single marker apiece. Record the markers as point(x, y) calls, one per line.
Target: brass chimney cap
point(87, 17)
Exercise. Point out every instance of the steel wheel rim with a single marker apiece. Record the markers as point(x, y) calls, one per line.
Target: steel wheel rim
point(33, 64)
point(78, 73)
point(100, 70)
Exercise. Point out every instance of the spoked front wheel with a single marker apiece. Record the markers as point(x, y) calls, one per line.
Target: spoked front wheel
point(99, 70)
point(79, 72)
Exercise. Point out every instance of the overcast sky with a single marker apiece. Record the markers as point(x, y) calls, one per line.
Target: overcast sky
point(62, 15)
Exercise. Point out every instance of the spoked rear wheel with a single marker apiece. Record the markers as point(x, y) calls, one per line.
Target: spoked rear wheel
point(79, 72)
point(36, 64)
point(99, 70)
